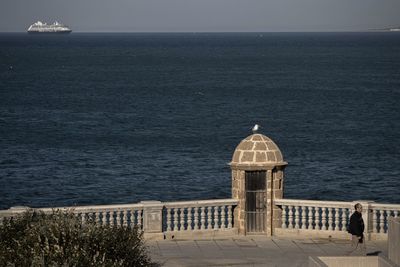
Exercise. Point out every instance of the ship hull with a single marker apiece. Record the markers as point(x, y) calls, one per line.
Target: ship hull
point(49, 32)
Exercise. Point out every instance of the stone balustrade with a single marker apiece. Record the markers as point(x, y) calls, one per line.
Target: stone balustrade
point(199, 215)
point(188, 219)
point(330, 218)
point(119, 215)
point(157, 219)
point(209, 218)
point(314, 215)
point(381, 214)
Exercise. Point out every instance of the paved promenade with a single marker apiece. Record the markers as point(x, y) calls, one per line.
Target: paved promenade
point(251, 251)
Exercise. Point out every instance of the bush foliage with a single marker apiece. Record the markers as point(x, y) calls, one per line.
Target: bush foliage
point(61, 239)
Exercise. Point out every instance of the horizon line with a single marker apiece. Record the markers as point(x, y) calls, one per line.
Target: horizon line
point(195, 32)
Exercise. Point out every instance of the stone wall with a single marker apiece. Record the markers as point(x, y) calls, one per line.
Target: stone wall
point(277, 193)
point(361, 261)
point(394, 240)
point(238, 192)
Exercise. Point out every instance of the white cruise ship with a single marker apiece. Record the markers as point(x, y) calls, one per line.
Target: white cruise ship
point(40, 27)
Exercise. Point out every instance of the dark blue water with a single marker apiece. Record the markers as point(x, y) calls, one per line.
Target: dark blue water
point(120, 118)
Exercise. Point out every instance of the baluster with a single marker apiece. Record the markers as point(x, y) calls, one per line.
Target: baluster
point(381, 221)
point(323, 216)
point(125, 218)
point(296, 217)
point(169, 219)
point(386, 221)
point(83, 216)
point(317, 219)
point(284, 226)
point(313, 224)
point(189, 218)
point(99, 216)
point(196, 218)
point(111, 218)
point(105, 217)
point(336, 219)
point(175, 212)
point(209, 218)
point(223, 217)
point(303, 217)
point(118, 218)
point(93, 216)
point(330, 219)
point(229, 216)
point(203, 218)
point(290, 217)
point(182, 219)
point(139, 219)
point(121, 218)
point(391, 213)
point(344, 220)
point(378, 218)
point(130, 218)
point(134, 218)
point(397, 214)
point(374, 222)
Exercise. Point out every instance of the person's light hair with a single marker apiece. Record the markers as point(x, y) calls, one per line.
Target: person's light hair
point(358, 205)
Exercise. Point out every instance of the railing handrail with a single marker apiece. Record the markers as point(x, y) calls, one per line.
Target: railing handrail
point(319, 203)
point(336, 204)
point(19, 210)
point(198, 203)
point(383, 206)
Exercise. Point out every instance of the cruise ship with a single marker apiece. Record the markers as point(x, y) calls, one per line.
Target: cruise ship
point(41, 27)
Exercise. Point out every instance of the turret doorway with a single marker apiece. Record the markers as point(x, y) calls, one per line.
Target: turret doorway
point(256, 202)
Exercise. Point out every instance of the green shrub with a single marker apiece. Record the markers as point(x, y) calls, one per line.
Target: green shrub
point(61, 239)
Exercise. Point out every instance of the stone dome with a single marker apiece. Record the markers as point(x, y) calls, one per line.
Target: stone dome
point(257, 150)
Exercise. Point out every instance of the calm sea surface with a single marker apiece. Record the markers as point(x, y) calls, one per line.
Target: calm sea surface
point(120, 118)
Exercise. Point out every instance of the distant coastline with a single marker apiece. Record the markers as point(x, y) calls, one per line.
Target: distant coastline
point(391, 29)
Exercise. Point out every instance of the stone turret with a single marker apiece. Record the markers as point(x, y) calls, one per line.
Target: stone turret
point(257, 179)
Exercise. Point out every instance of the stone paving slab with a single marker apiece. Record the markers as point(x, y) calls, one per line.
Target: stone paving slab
point(287, 245)
point(335, 248)
point(189, 248)
point(309, 248)
point(169, 249)
point(266, 243)
point(250, 251)
point(226, 244)
point(209, 249)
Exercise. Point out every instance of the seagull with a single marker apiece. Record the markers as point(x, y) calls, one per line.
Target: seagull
point(255, 128)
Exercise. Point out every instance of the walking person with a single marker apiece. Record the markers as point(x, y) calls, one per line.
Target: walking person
point(356, 229)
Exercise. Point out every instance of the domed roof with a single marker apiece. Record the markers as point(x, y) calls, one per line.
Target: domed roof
point(257, 150)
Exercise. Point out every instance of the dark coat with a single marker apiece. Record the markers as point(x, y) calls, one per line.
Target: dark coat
point(356, 226)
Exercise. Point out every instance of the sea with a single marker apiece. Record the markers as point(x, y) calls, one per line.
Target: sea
point(107, 118)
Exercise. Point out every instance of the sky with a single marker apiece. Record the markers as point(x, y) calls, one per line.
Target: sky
point(202, 15)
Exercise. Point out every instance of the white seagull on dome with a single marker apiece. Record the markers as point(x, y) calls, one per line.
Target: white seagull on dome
point(255, 128)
